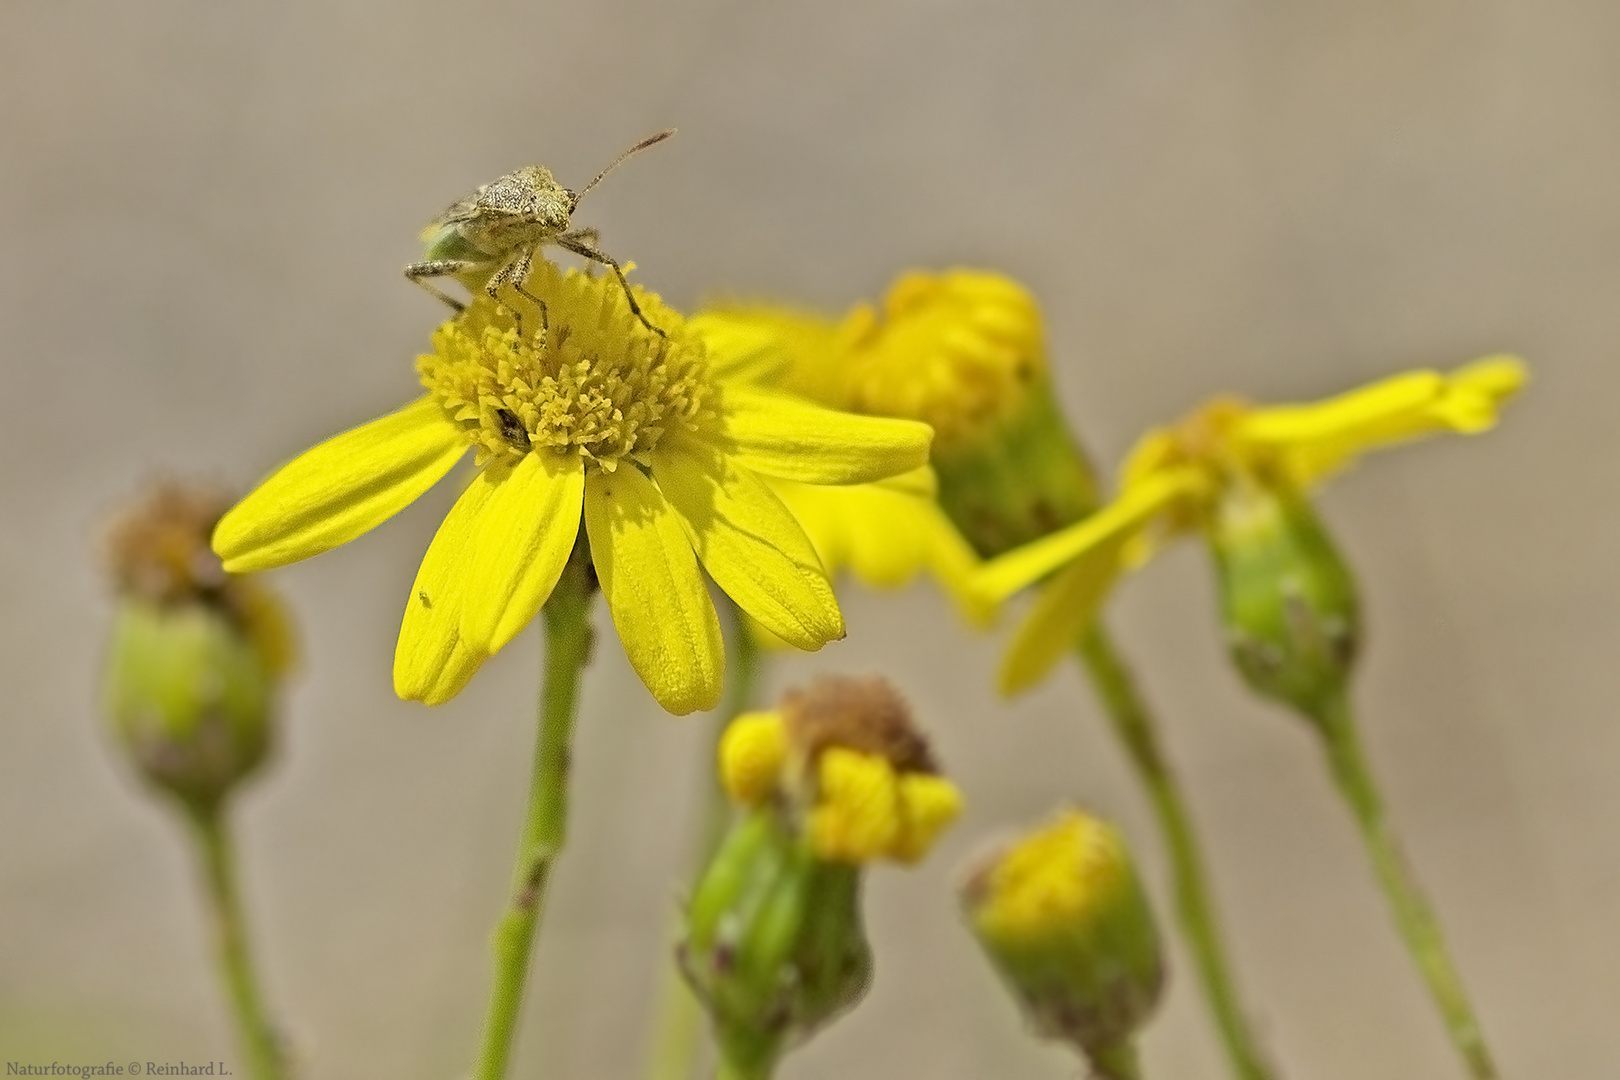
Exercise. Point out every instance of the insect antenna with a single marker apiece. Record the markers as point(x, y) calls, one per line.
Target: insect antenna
point(651, 140)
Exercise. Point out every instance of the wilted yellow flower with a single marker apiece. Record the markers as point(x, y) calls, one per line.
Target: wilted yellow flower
point(582, 413)
point(1176, 478)
point(844, 754)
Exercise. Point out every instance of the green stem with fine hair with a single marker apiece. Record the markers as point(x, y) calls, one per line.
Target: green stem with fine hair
point(260, 1047)
point(1419, 927)
point(678, 1017)
point(1132, 721)
point(568, 650)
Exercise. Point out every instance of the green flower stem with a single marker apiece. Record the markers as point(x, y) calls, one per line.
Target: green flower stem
point(260, 1047)
point(678, 1017)
point(1416, 920)
point(727, 1070)
point(1195, 903)
point(1117, 1062)
point(568, 649)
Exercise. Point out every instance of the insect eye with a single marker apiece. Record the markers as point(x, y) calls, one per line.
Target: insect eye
point(573, 197)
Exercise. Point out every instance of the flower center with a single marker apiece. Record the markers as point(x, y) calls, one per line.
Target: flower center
point(586, 377)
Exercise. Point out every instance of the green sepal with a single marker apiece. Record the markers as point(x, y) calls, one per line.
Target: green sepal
point(773, 943)
point(1288, 600)
point(1019, 479)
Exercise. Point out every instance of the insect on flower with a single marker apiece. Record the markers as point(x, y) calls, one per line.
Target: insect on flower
point(499, 228)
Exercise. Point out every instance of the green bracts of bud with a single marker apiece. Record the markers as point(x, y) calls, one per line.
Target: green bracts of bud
point(1065, 921)
point(1288, 600)
point(189, 695)
point(1018, 478)
point(773, 943)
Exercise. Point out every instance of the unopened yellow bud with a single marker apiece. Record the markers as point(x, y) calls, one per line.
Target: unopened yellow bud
point(1065, 921)
point(753, 749)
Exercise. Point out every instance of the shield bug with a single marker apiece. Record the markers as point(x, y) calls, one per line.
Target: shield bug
point(499, 228)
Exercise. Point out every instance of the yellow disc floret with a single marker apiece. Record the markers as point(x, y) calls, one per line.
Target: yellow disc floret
point(958, 350)
point(584, 376)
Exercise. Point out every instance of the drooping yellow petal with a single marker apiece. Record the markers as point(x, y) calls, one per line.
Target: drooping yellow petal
point(520, 544)
point(752, 751)
point(857, 813)
point(334, 492)
point(749, 543)
point(778, 435)
point(1318, 439)
point(1132, 511)
point(928, 805)
point(433, 660)
point(654, 589)
point(1062, 610)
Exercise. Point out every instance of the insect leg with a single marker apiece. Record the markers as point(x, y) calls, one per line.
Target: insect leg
point(516, 271)
point(576, 242)
point(419, 272)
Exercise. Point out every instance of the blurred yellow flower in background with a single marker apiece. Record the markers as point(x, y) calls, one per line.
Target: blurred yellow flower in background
point(579, 412)
point(1175, 479)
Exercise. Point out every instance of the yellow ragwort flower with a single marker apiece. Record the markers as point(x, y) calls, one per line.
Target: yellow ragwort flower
point(1175, 478)
point(581, 412)
point(878, 799)
point(961, 351)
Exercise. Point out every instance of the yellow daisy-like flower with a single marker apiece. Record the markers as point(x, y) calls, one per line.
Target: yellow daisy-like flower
point(580, 413)
point(1175, 478)
point(961, 351)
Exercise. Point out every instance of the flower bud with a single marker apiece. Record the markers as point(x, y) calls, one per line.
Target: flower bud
point(774, 944)
point(1288, 600)
point(1065, 921)
point(194, 662)
point(833, 779)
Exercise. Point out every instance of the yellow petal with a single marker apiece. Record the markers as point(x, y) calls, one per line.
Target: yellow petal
point(765, 343)
point(928, 805)
point(749, 543)
point(1126, 515)
point(654, 590)
point(1063, 609)
point(787, 437)
point(753, 749)
point(857, 813)
point(520, 545)
point(1318, 439)
point(886, 533)
point(433, 661)
point(348, 484)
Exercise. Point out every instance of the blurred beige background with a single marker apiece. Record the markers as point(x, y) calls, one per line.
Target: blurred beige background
point(204, 209)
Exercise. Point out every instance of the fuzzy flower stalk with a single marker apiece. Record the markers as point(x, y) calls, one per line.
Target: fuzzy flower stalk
point(965, 352)
point(1064, 919)
point(192, 678)
point(835, 778)
point(1239, 476)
